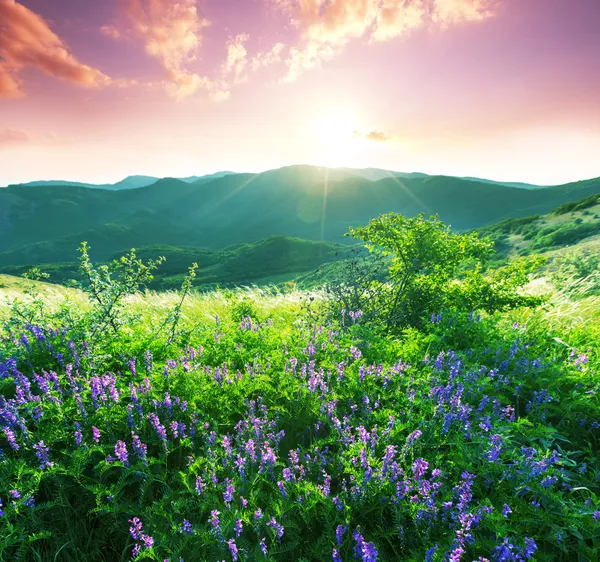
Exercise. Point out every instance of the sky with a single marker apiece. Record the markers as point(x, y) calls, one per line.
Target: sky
point(500, 89)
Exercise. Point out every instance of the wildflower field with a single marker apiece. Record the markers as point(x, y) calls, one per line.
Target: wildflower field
point(243, 425)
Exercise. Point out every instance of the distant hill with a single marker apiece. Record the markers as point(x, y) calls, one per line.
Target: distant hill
point(130, 182)
point(519, 185)
point(46, 224)
point(243, 264)
point(569, 224)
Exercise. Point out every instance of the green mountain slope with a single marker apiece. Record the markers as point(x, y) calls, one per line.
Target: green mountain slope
point(242, 264)
point(298, 201)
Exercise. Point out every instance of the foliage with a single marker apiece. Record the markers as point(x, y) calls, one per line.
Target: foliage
point(46, 224)
point(577, 272)
point(257, 435)
point(429, 268)
point(563, 234)
point(579, 205)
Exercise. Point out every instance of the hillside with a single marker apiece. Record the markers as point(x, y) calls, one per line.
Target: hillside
point(575, 223)
point(46, 224)
point(130, 182)
point(245, 264)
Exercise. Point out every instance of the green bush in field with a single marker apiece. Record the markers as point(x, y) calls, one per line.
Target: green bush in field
point(429, 268)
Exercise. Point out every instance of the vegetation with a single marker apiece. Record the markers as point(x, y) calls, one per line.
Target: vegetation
point(429, 269)
point(250, 426)
point(243, 264)
point(46, 224)
point(580, 205)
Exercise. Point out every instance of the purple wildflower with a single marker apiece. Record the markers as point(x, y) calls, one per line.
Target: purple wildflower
point(277, 528)
point(186, 528)
point(233, 549)
point(12, 440)
point(121, 452)
point(413, 437)
point(41, 452)
point(419, 467)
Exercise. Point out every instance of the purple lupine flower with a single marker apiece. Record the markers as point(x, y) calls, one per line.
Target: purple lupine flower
point(41, 452)
point(159, 428)
point(136, 529)
point(121, 452)
point(277, 528)
point(258, 514)
point(200, 485)
point(233, 549)
point(12, 440)
point(335, 555)
point(339, 534)
point(139, 448)
point(239, 527)
point(29, 502)
point(369, 552)
point(530, 548)
point(228, 494)
point(596, 515)
point(148, 541)
point(186, 528)
point(95, 434)
point(78, 434)
point(420, 467)
point(506, 510)
point(1, 510)
point(214, 521)
point(15, 494)
point(281, 487)
point(263, 546)
point(496, 442)
point(413, 437)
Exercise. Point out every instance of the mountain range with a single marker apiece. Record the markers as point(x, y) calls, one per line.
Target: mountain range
point(372, 174)
point(45, 224)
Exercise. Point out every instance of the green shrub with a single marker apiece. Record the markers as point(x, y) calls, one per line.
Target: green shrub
point(427, 268)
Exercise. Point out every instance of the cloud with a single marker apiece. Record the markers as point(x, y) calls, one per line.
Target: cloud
point(26, 40)
point(172, 33)
point(378, 136)
point(374, 135)
point(12, 137)
point(261, 60)
point(111, 31)
point(326, 26)
point(237, 58)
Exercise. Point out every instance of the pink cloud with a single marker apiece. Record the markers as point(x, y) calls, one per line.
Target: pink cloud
point(11, 137)
point(27, 41)
point(172, 33)
point(111, 31)
point(326, 26)
point(260, 60)
point(237, 58)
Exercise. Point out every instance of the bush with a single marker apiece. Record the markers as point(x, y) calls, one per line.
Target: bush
point(421, 267)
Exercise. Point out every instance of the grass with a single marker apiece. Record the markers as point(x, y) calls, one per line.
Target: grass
point(360, 443)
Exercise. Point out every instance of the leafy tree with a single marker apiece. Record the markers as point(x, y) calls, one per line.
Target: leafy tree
point(428, 268)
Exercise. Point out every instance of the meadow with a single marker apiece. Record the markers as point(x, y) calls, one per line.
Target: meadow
point(279, 424)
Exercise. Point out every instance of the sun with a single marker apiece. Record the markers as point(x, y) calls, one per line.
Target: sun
point(336, 138)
